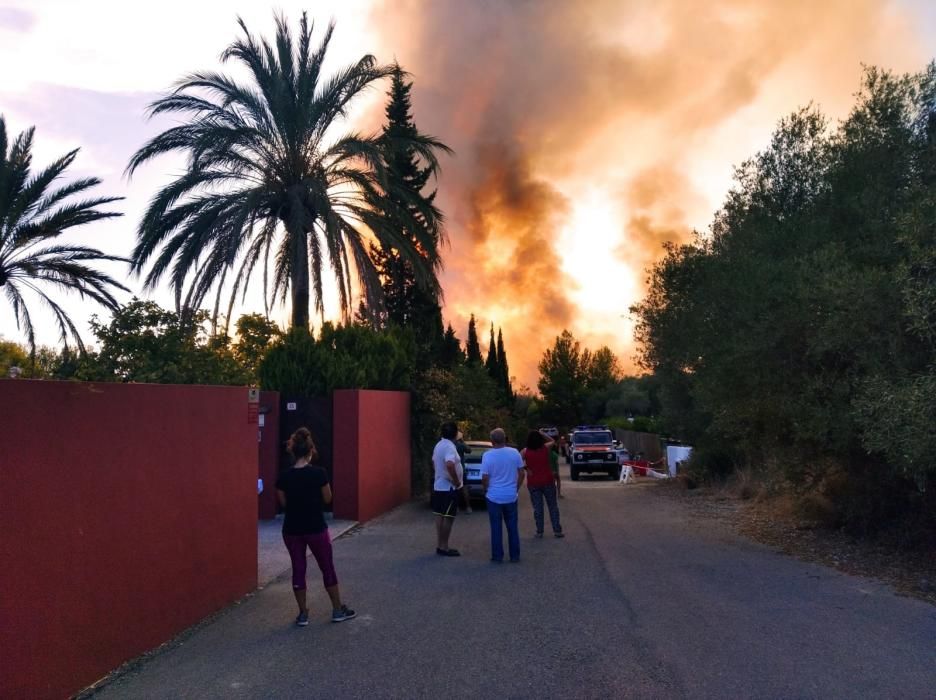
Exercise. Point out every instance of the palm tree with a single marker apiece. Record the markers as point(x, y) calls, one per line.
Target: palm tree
point(269, 182)
point(32, 215)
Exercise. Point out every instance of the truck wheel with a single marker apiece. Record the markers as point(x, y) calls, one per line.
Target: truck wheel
point(575, 473)
point(615, 473)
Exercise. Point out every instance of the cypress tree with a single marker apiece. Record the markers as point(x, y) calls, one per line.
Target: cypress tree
point(451, 353)
point(490, 364)
point(502, 364)
point(473, 347)
point(406, 303)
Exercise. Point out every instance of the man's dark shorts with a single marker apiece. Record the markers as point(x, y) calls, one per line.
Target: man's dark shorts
point(445, 503)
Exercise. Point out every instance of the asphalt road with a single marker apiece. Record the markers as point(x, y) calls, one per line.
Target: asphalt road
point(636, 601)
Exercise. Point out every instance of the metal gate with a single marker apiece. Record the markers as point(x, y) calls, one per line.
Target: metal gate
point(315, 414)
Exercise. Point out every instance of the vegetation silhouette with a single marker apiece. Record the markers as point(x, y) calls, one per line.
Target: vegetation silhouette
point(271, 183)
point(33, 215)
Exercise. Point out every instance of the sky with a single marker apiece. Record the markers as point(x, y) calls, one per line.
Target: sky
point(586, 134)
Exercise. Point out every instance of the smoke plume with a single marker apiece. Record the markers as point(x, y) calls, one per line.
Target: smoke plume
point(558, 108)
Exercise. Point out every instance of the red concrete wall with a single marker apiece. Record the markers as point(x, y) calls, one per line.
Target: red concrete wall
point(128, 514)
point(371, 452)
point(269, 448)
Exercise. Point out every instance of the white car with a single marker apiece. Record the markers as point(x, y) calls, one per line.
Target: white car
point(474, 449)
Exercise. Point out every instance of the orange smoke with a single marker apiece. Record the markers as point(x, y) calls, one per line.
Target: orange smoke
point(642, 106)
point(512, 221)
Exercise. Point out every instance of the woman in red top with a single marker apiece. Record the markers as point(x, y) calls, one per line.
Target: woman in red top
point(540, 481)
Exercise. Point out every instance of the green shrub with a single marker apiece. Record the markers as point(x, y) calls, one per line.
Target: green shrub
point(343, 357)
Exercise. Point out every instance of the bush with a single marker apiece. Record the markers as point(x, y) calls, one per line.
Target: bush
point(707, 464)
point(343, 357)
point(817, 509)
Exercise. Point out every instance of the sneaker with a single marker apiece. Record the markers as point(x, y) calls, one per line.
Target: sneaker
point(345, 613)
point(302, 619)
point(539, 535)
point(560, 535)
point(448, 552)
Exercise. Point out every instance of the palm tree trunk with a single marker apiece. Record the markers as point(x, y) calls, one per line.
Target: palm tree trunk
point(299, 279)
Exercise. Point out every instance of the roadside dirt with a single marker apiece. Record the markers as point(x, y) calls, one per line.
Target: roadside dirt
point(770, 523)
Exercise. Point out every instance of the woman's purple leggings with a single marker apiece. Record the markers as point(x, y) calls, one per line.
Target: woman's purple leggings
point(320, 544)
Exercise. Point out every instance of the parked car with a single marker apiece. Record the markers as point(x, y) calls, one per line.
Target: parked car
point(565, 447)
point(474, 450)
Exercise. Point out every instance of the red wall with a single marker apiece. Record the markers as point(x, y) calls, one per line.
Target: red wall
point(372, 452)
point(128, 514)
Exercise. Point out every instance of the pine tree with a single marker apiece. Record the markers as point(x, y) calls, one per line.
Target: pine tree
point(490, 364)
point(473, 348)
point(406, 303)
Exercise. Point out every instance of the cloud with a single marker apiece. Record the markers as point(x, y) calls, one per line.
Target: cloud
point(108, 126)
point(16, 20)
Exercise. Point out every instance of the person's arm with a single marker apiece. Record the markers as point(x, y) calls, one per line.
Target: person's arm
point(549, 441)
point(326, 494)
point(281, 497)
point(485, 482)
point(453, 473)
point(521, 475)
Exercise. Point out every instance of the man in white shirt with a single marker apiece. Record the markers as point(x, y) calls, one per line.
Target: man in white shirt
point(502, 475)
point(447, 480)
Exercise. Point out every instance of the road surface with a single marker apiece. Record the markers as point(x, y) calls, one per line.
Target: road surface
point(636, 601)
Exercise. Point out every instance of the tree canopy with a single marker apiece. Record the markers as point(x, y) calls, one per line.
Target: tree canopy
point(33, 214)
point(574, 382)
point(799, 330)
point(406, 302)
point(272, 183)
point(341, 357)
point(145, 343)
point(472, 346)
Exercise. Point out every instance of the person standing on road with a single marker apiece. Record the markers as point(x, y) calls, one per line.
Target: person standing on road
point(540, 481)
point(502, 476)
point(303, 492)
point(446, 485)
point(554, 465)
point(462, 448)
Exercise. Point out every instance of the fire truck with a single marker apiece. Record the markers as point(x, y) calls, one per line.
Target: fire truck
point(593, 449)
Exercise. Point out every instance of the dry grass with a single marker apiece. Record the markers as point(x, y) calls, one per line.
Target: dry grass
point(806, 527)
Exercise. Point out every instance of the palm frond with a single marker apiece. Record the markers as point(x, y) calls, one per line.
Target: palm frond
point(269, 184)
point(31, 215)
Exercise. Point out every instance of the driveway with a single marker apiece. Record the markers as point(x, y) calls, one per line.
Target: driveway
point(636, 601)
